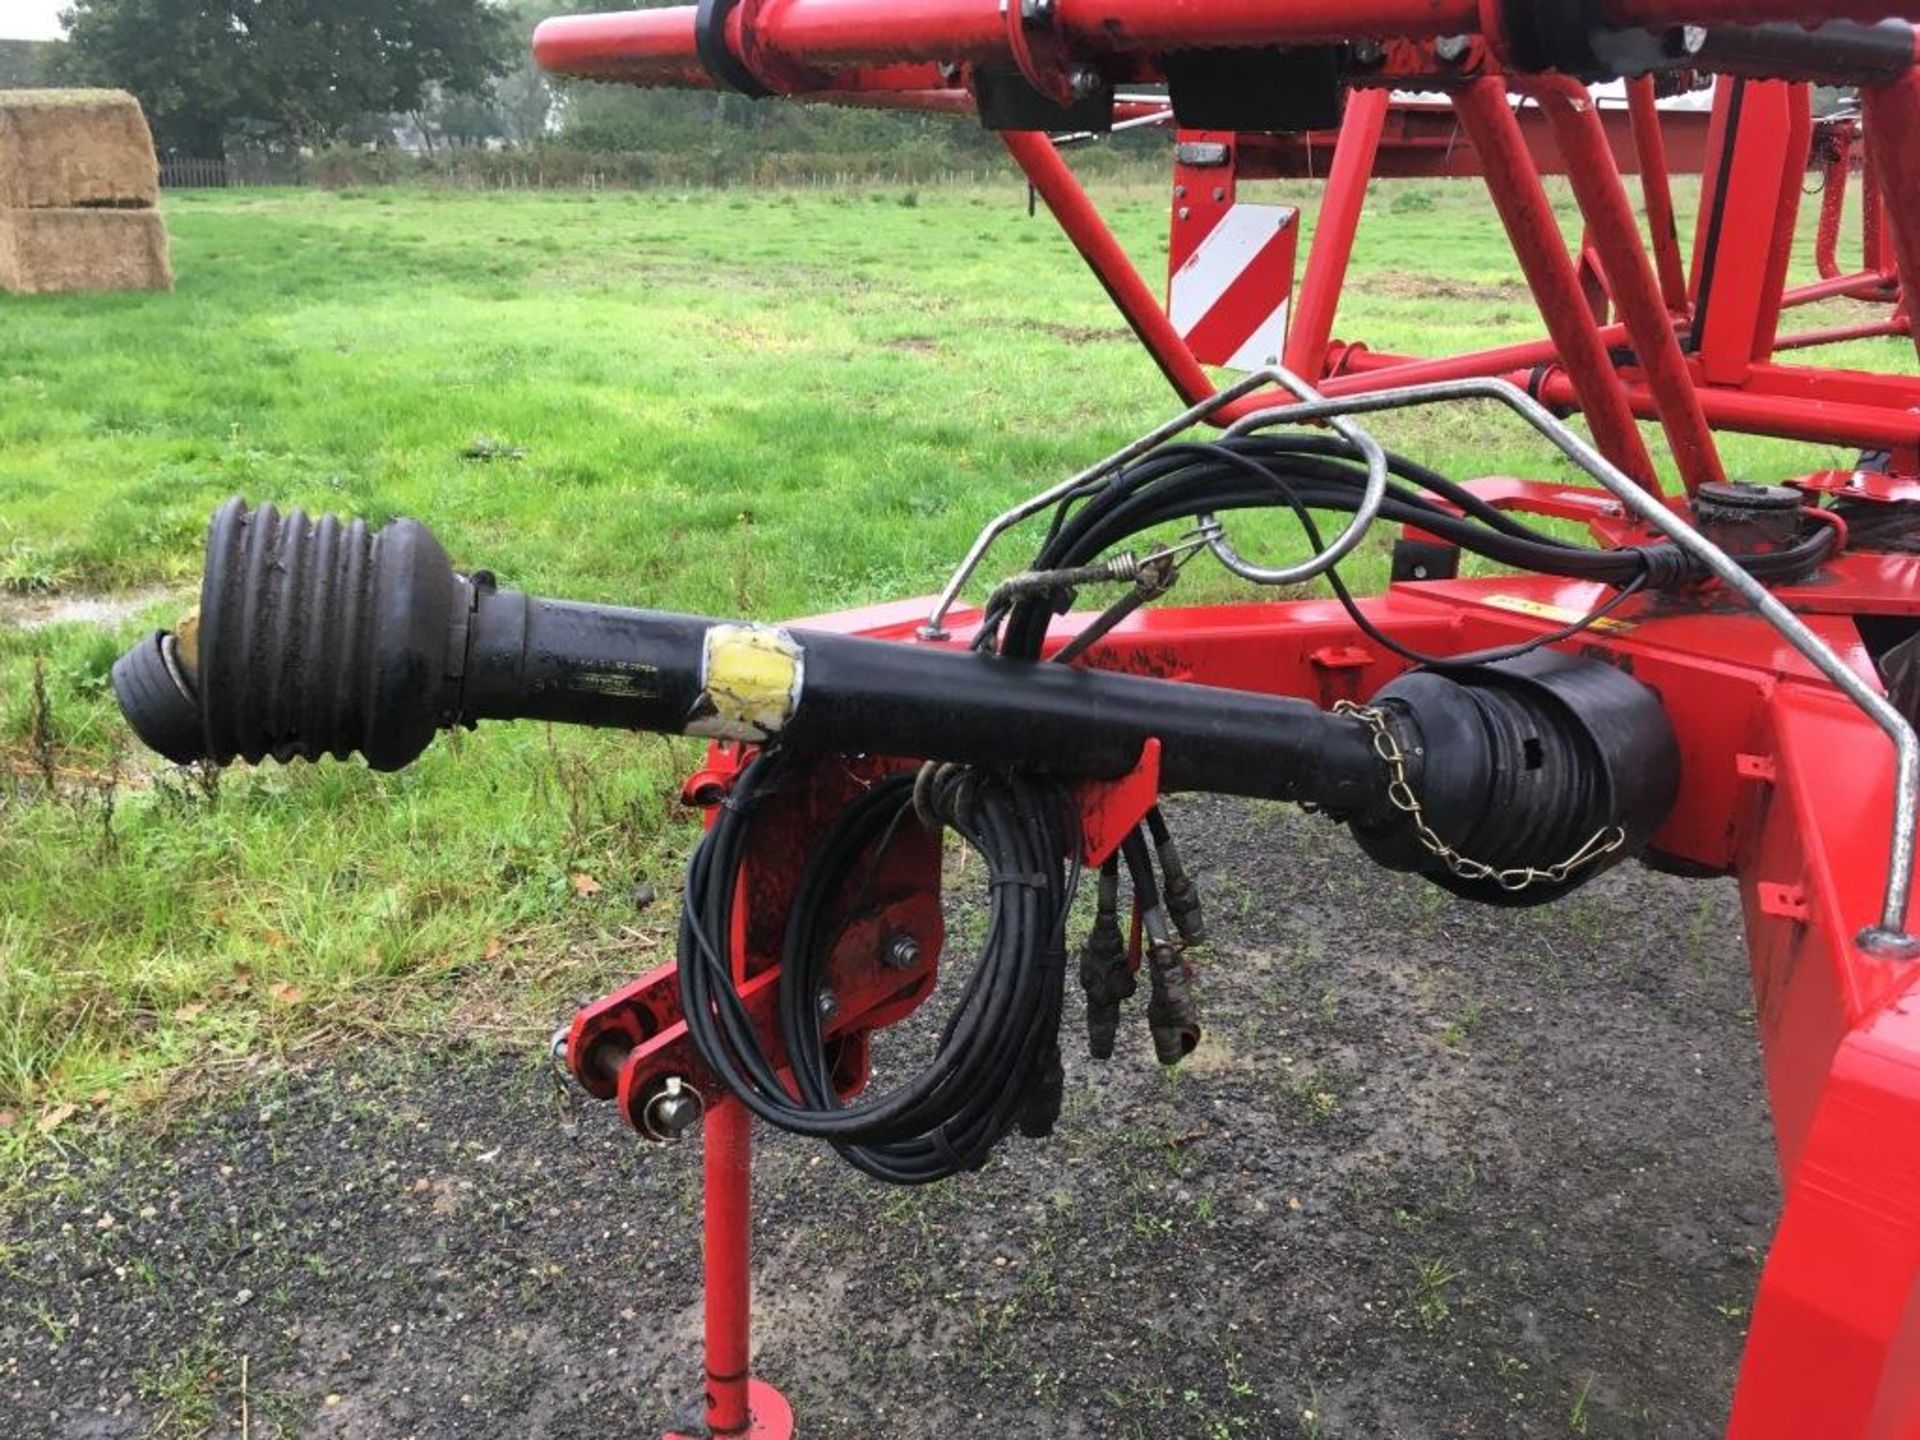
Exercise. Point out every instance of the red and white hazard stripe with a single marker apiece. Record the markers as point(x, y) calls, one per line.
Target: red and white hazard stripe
point(1229, 296)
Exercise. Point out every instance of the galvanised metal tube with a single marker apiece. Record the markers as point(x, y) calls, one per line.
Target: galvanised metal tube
point(1891, 935)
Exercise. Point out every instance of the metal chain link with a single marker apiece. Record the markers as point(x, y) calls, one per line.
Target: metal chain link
point(1602, 842)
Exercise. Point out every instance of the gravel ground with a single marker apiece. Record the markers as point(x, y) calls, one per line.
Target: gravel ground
point(1436, 1170)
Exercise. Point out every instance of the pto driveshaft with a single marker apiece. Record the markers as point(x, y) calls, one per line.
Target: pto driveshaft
point(322, 637)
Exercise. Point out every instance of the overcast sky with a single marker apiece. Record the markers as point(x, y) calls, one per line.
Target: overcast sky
point(30, 19)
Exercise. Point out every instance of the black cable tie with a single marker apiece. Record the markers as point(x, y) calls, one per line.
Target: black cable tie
point(1031, 881)
point(710, 43)
point(1665, 566)
point(950, 1158)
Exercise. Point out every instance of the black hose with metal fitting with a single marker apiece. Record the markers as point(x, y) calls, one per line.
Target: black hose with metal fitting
point(1104, 975)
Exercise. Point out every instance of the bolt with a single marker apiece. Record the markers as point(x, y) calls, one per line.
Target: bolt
point(902, 952)
point(827, 1005)
point(1184, 212)
point(1452, 48)
point(1084, 81)
point(557, 1046)
point(1219, 193)
point(672, 1112)
point(1179, 192)
point(1693, 39)
point(1036, 12)
point(1368, 53)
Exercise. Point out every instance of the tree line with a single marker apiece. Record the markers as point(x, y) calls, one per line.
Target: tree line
point(308, 76)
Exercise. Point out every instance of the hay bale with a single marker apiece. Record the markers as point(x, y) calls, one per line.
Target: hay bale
point(44, 251)
point(61, 149)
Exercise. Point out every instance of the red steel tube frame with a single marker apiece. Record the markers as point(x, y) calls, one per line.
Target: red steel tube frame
point(1873, 218)
point(1615, 234)
point(1865, 285)
point(1662, 228)
point(1843, 334)
point(1334, 229)
point(1786, 222)
point(1836, 168)
point(1514, 184)
point(1775, 788)
point(1055, 183)
point(1893, 138)
point(656, 47)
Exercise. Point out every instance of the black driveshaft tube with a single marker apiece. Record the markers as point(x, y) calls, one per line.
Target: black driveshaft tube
point(322, 637)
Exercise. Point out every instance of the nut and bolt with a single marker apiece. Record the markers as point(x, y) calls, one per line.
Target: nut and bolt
point(1084, 81)
point(902, 952)
point(826, 1005)
point(1453, 48)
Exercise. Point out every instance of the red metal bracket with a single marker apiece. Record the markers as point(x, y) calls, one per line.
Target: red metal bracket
point(1039, 53)
point(1111, 810)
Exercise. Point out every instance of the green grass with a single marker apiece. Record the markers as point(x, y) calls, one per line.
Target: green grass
point(763, 405)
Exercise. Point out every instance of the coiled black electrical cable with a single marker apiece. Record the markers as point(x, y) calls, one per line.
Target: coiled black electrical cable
point(998, 1061)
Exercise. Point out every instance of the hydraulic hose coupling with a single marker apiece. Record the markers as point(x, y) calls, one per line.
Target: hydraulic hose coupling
point(1173, 1017)
point(1103, 967)
point(1180, 893)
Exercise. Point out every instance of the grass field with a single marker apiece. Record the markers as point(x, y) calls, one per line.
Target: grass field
point(760, 405)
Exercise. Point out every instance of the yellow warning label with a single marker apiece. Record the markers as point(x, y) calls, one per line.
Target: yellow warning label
point(1564, 614)
point(753, 675)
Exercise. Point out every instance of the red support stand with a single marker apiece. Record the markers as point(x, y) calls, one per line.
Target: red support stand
point(736, 1403)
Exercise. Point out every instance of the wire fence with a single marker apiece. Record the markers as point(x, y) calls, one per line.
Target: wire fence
point(187, 172)
point(560, 168)
point(191, 174)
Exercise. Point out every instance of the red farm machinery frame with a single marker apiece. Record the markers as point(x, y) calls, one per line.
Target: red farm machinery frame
point(1787, 782)
point(1761, 657)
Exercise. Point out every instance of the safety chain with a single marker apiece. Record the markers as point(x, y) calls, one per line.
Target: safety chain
point(1603, 842)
